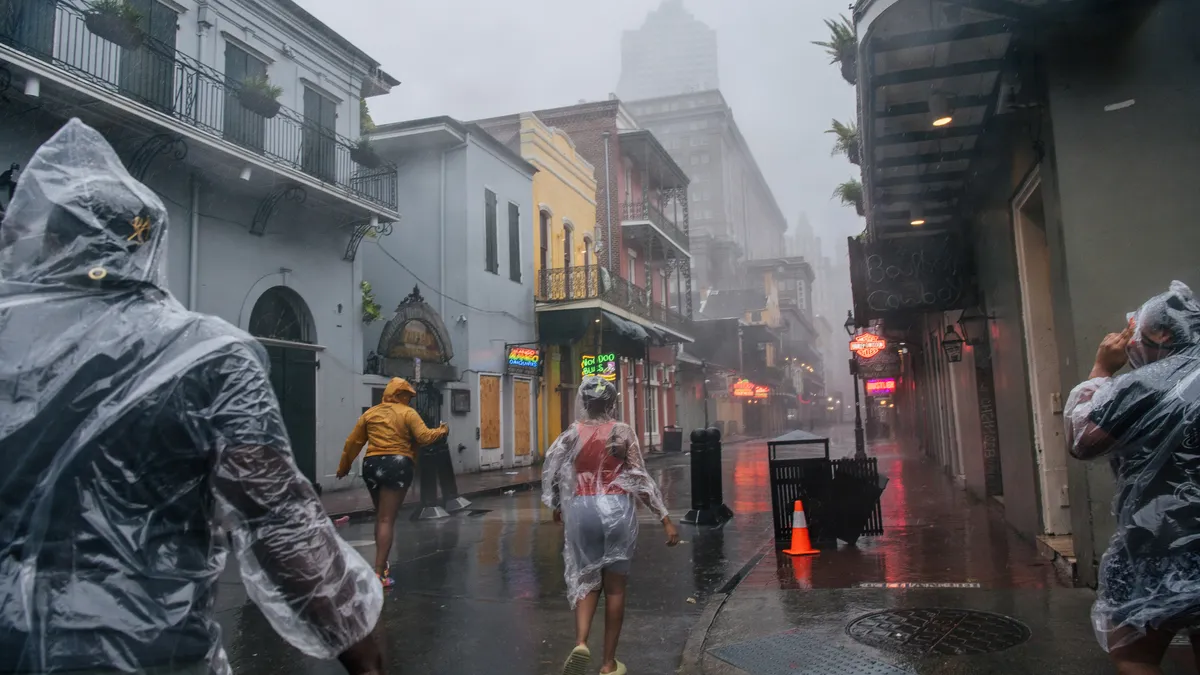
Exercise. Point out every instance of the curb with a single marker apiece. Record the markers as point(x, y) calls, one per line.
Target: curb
point(692, 661)
point(366, 513)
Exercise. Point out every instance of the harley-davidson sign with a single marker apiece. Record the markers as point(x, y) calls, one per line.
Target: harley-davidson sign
point(867, 345)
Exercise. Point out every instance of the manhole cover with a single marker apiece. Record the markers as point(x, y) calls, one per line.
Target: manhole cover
point(946, 632)
point(797, 653)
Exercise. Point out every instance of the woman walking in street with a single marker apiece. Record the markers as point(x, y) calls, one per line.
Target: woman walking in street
point(1147, 422)
point(592, 472)
point(392, 432)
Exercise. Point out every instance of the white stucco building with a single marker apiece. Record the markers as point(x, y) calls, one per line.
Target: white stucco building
point(264, 204)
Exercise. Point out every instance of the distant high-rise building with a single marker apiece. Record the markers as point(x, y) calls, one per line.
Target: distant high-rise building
point(672, 53)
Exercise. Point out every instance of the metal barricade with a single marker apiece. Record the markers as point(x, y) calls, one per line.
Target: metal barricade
point(435, 469)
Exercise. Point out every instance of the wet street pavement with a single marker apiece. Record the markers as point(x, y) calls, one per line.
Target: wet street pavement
point(484, 593)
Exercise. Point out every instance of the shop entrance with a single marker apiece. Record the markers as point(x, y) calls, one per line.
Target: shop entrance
point(1041, 353)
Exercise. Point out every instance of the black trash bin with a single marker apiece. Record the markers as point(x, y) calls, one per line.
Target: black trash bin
point(672, 439)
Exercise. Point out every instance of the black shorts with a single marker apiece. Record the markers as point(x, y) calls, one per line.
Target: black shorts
point(394, 472)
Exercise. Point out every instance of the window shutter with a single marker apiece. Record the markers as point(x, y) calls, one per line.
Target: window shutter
point(492, 264)
point(514, 242)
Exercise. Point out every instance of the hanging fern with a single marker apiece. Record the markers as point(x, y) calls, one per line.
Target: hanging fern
point(842, 47)
point(847, 142)
point(371, 309)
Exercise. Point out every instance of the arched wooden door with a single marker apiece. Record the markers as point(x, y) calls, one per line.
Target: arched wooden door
point(281, 319)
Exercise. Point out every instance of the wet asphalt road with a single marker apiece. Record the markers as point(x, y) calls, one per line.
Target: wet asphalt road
point(484, 593)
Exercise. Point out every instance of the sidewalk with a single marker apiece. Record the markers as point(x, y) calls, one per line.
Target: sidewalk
point(355, 502)
point(901, 603)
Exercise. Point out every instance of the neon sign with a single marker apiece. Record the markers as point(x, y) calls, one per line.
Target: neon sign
point(882, 387)
point(604, 366)
point(867, 345)
point(747, 389)
point(743, 389)
point(523, 359)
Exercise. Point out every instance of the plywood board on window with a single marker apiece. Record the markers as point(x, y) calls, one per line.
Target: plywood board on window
point(489, 412)
point(521, 418)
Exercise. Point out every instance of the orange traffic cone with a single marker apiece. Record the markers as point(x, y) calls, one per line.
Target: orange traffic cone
point(800, 543)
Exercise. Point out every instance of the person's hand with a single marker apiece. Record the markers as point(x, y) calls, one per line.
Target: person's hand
point(672, 533)
point(558, 516)
point(342, 473)
point(445, 428)
point(1110, 357)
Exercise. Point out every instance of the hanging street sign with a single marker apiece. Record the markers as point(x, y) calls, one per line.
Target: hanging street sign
point(523, 360)
point(867, 345)
point(743, 389)
point(604, 366)
point(883, 387)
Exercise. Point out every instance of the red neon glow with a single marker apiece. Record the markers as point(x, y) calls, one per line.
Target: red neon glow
point(867, 345)
point(881, 387)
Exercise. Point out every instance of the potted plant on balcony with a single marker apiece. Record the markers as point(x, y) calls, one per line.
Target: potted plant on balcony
point(364, 155)
point(851, 192)
point(117, 21)
point(847, 141)
point(259, 96)
point(842, 47)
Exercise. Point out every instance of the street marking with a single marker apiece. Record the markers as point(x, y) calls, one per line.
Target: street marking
point(361, 542)
point(918, 584)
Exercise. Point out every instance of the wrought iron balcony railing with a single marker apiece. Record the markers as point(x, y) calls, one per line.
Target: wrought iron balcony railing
point(648, 211)
point(158, 76)
point(571, 284)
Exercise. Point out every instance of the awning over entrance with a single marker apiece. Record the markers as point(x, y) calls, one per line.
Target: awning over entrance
point(624, 337)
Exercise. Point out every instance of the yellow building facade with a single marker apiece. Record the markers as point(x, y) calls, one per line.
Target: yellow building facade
point(564, 222)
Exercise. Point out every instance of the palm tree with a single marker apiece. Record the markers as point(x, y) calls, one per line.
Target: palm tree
point(847, 141)
point(851, 192)
point(842, 47)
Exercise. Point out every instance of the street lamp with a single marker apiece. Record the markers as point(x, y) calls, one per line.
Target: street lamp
point(860, 446)
point(849, 325)
point(952, 343)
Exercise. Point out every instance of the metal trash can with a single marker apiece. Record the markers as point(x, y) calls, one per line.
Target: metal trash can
point(672, 439)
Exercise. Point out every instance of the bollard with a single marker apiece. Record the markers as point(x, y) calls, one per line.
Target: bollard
point(451, 500)
point(708, 506)
point(427, 471)
point(699, 514)
point(716, 490)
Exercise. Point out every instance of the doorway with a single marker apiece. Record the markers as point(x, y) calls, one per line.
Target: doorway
point(281, 320)
point(522, 420)
point(1041, 354)
point(490, 453)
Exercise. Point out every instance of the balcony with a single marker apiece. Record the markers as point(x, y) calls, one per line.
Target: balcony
point(578, 284)
point(156, 78)
point(641, 214)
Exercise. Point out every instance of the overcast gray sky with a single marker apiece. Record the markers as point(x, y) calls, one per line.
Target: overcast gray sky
point(477, 58)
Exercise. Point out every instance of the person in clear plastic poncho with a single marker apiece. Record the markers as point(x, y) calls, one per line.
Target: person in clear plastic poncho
point(134, 434)
point(1147, 422)
point(592, 474)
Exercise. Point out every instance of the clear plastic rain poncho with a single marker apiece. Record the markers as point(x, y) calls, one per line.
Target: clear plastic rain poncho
point(133, 432)
point(1147, 422)
point(592, 474)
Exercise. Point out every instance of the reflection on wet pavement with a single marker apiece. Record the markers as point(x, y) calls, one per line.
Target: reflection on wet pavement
point(933, 533)
point(485, 594)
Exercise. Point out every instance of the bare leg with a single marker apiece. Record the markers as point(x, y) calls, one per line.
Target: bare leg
point(585, 609)
point(614, 616)
point(387, 505)
point(1143, 656)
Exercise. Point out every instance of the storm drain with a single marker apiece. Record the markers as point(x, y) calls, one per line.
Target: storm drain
point(795, 653)
point(940, 632)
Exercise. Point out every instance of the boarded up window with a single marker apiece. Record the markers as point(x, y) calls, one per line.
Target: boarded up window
point(489, 412)
point(521, 418)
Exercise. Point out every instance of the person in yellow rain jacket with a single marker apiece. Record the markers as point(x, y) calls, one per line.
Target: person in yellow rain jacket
point(392, 432)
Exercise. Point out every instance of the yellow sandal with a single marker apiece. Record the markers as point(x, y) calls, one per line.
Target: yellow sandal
point(578, 661)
